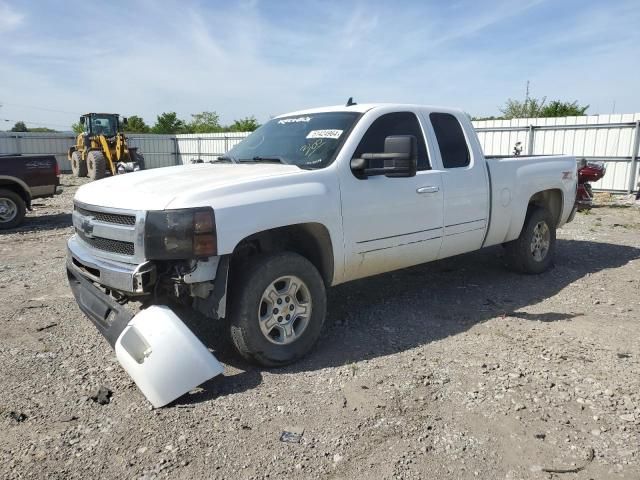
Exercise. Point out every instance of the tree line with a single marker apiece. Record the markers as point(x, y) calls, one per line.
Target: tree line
point(169, 123)
point(537, 108)
point(20, 126)
point(209, 122)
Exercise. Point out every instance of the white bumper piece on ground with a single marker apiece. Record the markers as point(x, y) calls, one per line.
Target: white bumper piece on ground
point(163, 356)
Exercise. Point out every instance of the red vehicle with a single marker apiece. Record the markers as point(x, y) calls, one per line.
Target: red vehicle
point(587, 172)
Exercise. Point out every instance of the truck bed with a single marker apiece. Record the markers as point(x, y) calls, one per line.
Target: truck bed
point(515, 179)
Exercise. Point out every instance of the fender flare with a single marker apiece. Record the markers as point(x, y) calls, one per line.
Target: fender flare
point(25, 188)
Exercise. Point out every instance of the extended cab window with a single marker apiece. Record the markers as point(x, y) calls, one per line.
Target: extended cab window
point(400, 123)
point(453, 145)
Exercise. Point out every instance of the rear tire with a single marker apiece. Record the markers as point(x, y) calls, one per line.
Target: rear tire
point(533, 251)
point(12, 209)
point(96, 165)
point(78, 167)
point(277, 309)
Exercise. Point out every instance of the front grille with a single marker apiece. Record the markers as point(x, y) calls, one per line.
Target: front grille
point(108, 245)
point(108, 217)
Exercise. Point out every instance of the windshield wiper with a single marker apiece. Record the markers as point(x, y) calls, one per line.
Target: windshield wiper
point(265, 160)
point(226, 158)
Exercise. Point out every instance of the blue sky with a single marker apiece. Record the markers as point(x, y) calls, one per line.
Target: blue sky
point(262, 58)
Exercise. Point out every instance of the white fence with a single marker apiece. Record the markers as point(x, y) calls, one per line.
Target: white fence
point(612, 139)
point(158, 150)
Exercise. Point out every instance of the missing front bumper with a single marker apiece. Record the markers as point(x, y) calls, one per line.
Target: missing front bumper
point(123, 277)
point(109, 317)
point(159, 352)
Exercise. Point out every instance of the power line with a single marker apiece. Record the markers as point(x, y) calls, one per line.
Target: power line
point(39, 108)
point(33, 123)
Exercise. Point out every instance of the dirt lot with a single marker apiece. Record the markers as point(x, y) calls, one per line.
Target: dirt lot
point(457, 369)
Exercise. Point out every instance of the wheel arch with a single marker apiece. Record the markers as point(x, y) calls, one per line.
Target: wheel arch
point(18, 186)
point(311, 240)
point(551, 200)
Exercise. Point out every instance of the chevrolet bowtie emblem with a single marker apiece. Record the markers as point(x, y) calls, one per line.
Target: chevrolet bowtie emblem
point(87, 227)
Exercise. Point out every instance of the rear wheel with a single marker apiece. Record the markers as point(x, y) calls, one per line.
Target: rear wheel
point(277, 309)
point(12, 209)
point(78, 167)
point(533, 250)
point(96, 165)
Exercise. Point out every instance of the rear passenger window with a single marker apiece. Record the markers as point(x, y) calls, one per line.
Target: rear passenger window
point(453, 145)
point(399, 123)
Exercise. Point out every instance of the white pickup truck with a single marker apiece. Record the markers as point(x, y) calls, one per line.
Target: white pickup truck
point(310, 200)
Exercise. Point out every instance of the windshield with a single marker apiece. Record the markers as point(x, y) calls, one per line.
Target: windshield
point(103, 125)
point(308, 141)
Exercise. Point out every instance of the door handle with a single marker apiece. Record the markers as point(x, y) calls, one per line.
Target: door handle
point(429, 189)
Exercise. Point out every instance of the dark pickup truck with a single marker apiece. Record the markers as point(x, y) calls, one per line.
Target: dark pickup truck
point(23, 178)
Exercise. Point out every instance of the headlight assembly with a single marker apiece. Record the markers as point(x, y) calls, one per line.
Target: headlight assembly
point(180, 234)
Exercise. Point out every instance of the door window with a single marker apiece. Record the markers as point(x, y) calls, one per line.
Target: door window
point(453, 145)
point(398, 123)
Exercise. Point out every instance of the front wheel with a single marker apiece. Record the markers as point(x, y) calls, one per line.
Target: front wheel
point(533, 250)
point(78, 166)
point(96, 165)
point(277, 309)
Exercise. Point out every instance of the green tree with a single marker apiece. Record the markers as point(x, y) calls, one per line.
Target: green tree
point(136, 124)
point(42, 129)
point(558, 108)
point(534, 107)
point(77, 128)
point(247, 124)
point(20, 127)
point(169, 123)
point(530, 108)
point(204, 122)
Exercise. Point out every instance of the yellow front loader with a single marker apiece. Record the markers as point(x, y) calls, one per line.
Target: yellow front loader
point(101, 149)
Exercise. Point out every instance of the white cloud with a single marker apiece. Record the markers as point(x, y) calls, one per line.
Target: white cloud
point(267, 58)
point(9, 17)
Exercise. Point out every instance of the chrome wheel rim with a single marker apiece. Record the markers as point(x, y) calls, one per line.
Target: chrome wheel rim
point(8, 210)
point(540, 241)
point(284, 310)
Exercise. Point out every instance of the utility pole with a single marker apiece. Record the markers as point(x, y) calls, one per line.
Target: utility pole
point(526, 95)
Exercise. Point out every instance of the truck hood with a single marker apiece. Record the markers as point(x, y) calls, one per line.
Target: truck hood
point(155, 189)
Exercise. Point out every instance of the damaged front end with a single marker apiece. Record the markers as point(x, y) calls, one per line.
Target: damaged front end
point(162, 355)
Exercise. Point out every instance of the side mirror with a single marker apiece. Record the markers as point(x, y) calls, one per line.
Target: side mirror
point(124, 120)
point(81, 120)
point(400, 159)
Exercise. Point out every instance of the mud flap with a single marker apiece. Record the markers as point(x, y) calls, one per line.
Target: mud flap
point(163, 357)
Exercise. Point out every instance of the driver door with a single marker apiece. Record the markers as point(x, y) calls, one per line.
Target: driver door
point(391, 223)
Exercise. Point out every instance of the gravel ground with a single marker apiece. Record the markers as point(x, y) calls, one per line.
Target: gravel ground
point(456, 369)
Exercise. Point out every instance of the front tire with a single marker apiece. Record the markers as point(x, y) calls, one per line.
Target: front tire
point(96, 165)
point(12, 209)
point(278, 306)
point(78, 167)
point(533, 251)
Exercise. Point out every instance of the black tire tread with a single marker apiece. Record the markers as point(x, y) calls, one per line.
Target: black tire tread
point(22, 208)
point(248, 286)
point(99, 170)
point(78, 167)
point(518, 251)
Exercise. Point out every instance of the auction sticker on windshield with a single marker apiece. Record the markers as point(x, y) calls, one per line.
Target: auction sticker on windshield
point(335, 134)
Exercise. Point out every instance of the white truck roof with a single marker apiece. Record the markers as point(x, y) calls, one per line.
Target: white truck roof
point(364, 107)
